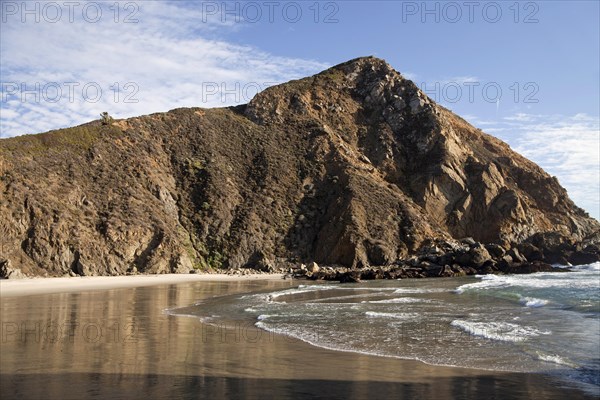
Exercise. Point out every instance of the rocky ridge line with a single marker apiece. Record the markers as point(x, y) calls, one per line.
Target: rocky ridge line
point(354, 167)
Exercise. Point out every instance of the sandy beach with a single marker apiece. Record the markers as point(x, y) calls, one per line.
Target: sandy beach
point(112, 338)
point(33, 286)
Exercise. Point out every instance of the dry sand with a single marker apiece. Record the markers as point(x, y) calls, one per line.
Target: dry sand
point(33, 286)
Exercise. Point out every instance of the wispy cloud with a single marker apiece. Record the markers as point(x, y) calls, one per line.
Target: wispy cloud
point(459, 80)
point(409, 75)
point(476, 121)
point(565, 146)
point(172, 57)
point(522, 117)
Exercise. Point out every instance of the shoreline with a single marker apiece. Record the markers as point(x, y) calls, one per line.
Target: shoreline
point(160, 355)
point(39, 286)
point(30, 286)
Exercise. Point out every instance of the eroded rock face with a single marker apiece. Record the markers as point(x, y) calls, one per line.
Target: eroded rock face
point(354, 166)
point(8, 272)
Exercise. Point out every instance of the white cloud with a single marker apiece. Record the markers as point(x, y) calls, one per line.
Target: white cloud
point(460, 80)
point(476, 121)
point(522, 117)
point(170, 58)
point(566, 147)
point(583, 117)
point(411, 76)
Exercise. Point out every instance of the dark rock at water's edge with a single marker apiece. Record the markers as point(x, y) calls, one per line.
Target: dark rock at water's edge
point(353, 167)
point(445, 259)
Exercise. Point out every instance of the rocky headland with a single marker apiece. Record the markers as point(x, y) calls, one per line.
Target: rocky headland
point(354, 170)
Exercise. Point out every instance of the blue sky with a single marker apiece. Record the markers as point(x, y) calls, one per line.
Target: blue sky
point(155, 56)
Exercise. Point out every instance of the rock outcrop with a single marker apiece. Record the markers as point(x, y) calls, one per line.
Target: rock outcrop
point(354, 166)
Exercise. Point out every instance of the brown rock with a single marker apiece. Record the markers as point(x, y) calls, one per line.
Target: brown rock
point(584, 257)
point(216, 187)
point(531, 267)
point(495, 250)
point(531, 252)
point(475, 257)
point(349, 277)
point(516, 256)
point(7, 271)
point(313, 267)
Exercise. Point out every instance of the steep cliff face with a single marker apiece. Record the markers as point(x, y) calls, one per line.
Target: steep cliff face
point(353, 166)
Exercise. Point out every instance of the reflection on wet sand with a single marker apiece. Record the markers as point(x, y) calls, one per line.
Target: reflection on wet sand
point(121, 344)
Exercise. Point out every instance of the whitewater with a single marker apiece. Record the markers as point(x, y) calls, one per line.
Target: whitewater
point(537, 323)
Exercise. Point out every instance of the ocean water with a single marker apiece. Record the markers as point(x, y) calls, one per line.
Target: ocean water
point(542, 323)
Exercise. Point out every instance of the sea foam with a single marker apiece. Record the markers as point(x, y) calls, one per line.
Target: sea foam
point(375, 314)
point(533, 302)
point(399, 300)
point(540, 280)
point(502, 331)
point(556, 359)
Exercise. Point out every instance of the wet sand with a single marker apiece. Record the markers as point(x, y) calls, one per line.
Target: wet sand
point(119, 343)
